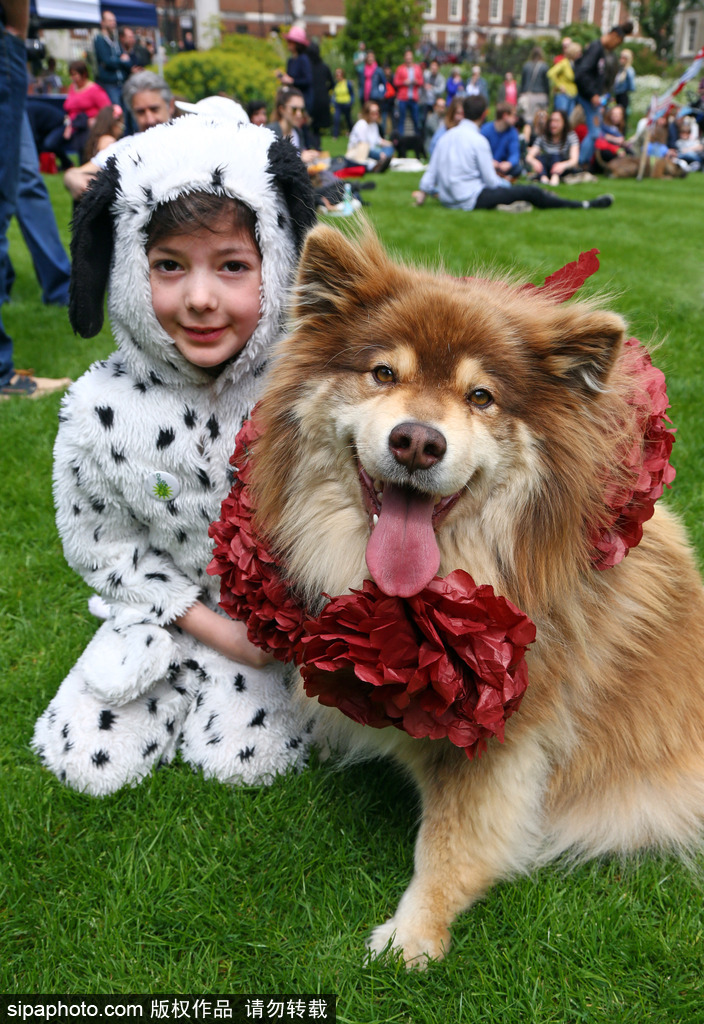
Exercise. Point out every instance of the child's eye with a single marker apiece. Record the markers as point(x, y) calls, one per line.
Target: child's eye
point(169, 266)
point(234, 266)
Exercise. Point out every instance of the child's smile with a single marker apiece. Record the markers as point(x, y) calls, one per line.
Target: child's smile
point(206, 292)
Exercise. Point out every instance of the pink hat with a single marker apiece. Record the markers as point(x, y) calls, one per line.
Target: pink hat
point(297, 35)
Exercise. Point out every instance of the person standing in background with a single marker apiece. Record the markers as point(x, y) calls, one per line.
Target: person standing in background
point(322, 84)
point(360, 56)
point(112, 65)
point(625, 81)
point(561, 75)
point(590, 78)
point(14, 126)
point(299, 70)
point(508, 90)
point(373, 80)
point(342, 98)
point(534, 93)
point(408, 82)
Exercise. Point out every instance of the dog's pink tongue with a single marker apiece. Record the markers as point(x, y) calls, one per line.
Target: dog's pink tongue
point(402, 553)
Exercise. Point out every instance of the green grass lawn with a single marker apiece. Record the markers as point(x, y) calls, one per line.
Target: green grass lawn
point(186, 886)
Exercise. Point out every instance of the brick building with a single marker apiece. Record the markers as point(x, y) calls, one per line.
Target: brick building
point(452, 25)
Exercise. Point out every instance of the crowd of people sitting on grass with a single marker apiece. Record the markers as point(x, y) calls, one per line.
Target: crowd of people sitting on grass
point(478, 146)
point(552, 120)
point(550, 123)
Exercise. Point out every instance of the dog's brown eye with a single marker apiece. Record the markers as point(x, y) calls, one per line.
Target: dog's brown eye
point(480, 397)
point(384, 374)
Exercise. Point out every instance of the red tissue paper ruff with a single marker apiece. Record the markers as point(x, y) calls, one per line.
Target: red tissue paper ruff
point(649, 462)
point(251, 587)
point(562, 285)
point(449, 661)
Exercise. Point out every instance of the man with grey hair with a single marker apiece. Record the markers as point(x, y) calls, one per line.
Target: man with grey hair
point(150, 101)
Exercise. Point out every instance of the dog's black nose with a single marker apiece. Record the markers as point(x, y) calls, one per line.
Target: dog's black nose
point(416, 445)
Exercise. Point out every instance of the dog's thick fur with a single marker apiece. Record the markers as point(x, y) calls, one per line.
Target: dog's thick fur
point(606, 753)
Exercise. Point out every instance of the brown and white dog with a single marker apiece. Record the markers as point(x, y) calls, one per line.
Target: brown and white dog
point(488, 421)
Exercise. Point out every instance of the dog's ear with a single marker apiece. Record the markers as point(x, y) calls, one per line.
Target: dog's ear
point(293, 181)
point(585, 347)
point(335, 272)
point(91, 252)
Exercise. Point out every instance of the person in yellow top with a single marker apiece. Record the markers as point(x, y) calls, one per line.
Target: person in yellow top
point(342, 99)
point(561, 76)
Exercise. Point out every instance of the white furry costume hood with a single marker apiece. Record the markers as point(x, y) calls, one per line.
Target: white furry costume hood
point(192, 154)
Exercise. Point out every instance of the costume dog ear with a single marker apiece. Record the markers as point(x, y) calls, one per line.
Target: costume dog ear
point(293, 182)
point(91, 252)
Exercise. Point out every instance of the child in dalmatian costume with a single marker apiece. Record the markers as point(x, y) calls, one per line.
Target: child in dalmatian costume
point(142, 465)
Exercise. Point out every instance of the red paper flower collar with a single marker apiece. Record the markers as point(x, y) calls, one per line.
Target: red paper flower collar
point(449, 661)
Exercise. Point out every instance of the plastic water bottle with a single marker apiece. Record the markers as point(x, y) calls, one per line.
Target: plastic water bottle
point(347, 204)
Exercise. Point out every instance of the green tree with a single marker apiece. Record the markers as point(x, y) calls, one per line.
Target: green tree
point(657, 21)
point(582, 32)
point(386, 26)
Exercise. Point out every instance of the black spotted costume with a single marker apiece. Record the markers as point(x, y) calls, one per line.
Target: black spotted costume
point(142, 465)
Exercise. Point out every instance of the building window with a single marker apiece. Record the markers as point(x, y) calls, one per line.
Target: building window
point(586, 12)
point(565, 15)
point(454, 11)
point(690, 36)
point(542, 13)
point(519, 11)
point(430, 9)
point(495, 10)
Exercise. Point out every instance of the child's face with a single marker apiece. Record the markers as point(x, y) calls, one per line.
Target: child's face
point(206, 292)
point(259, 117)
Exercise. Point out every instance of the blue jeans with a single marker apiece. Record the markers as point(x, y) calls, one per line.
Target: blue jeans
point(341, 110)
point(37, 221)
point(13, 89)
point(114, 91)
point(592, 116)
point(564, 103)
point(547, 160)
point(412, 107)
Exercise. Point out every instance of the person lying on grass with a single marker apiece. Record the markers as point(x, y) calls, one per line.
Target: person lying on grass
point(461, 172)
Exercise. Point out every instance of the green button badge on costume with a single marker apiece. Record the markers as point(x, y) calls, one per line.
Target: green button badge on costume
point(163, 486)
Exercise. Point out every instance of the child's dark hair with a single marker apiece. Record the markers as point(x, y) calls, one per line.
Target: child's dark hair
point(192, 211)
point(253, 106)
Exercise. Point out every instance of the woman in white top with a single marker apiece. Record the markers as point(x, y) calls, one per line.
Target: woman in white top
point(365, 138)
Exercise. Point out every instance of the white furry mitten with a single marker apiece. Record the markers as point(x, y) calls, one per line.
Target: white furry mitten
point(122, 662)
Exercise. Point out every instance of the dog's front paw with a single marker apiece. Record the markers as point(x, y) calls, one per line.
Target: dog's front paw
point(417, 947)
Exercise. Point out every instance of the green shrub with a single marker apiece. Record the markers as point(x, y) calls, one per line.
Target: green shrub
point(332, 54)
point(253, 47)
point(582, 32)
point(513, 52)
point(235, 73)
point(647, 62)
